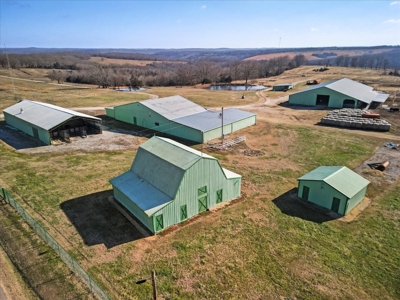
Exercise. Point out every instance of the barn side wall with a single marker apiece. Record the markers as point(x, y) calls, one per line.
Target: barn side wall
point(229, 128)
point(206, 172)
point(147, 118)
point(357, 198)
point(26, 127)
point(134, 209)
point(309, 98)
point(322, 194)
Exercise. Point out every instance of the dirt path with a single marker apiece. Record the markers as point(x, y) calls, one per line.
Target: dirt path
point(11, 284)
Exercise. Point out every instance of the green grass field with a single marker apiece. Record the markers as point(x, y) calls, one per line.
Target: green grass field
point(252, 249)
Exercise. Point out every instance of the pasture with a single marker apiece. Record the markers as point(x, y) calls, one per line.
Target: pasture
point(265, 245)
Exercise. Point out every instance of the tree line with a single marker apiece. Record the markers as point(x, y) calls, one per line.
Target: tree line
point(77, 68)
point(178, 74)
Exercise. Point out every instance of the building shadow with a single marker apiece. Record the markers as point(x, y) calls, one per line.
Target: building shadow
point(18, 139)
point(98, 221)
point(291, 205)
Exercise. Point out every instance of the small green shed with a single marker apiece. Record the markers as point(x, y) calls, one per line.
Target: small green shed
point(283, 87)
point(169, 183)
point(333, 187)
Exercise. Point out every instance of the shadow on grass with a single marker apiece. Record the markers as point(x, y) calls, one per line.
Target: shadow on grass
point(17, 139)
point(291, 205)
point(98, 221)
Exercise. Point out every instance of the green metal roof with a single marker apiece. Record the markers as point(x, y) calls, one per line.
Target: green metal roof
point(340, 178)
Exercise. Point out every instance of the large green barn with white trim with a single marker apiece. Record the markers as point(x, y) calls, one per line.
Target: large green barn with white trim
point(182, 118)
point(169, 183)
point(341, 93)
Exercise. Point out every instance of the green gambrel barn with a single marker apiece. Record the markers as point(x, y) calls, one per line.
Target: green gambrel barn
point(341, 93)
point(169, 183)
point(333, 187)
point(46, 122)
point(182, 118)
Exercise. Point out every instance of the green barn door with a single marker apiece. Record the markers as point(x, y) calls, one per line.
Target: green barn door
point(35, 132)
point(159, 222)
point(306, 191)
point(335, 204)
point(183, 212)
point(202, 204)
point(134, 121)
point(219, 196)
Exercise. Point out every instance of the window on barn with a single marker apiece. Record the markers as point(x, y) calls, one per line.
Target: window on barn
point(219, 196)
point(202, 191)
point(157, 124)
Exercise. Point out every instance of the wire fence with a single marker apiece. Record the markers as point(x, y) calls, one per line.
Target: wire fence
point(62, 253)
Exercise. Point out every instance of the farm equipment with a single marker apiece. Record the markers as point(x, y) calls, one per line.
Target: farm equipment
point(382, 166)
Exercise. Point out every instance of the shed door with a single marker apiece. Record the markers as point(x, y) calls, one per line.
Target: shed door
point(159, 222)
point(202, 204)
point(35, 132)
point(134, 121)
point(335, 204)
point(183, 212)
point(306, 191)
point(323, 100)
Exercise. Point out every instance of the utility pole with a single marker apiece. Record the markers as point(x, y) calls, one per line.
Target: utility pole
point(222, 118)
point(153, 282)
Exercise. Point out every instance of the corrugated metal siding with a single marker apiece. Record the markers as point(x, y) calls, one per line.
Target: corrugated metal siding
point(206, 172)
point(309, 98)
point(158, 172)
point(322, 194)
point(229, 128)
point(134, 209)
point(26, 127)
point(357, 198)
point(110, 112)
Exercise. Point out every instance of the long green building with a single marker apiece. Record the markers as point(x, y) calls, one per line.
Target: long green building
point(333, 187)
point(182, 118)
point(341, 93)
point(46, 122)
point(169, 183)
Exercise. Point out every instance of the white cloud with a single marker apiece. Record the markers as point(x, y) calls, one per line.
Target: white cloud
point(178, 21)
point(395, 3)
point(314, 29)
point(203, 6)
point(392, 21)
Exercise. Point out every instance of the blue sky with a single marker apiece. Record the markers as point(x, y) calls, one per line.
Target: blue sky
point(198, 24)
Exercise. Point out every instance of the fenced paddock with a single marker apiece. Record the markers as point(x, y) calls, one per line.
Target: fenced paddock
point(73, 265)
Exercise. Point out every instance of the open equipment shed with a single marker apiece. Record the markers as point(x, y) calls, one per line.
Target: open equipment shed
point(182, 118)
point(46, 122)
point(333, 187)
point(169, 183)
point(341, 93)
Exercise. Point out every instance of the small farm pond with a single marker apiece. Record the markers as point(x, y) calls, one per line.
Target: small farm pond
point(130, 89)
point(227, 87)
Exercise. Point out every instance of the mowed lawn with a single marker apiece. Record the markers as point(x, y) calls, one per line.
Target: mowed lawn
point(253, 249)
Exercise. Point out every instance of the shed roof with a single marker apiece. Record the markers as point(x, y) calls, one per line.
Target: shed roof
point(157, 172)
point(147, 197)
point(284, 84)
point(353, 89)
point(43, 115)
point(340, 178)
point(208, 120)
point(173, 107)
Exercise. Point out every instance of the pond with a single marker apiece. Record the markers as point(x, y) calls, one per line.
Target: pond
point(227, 87)
point(130, 89)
